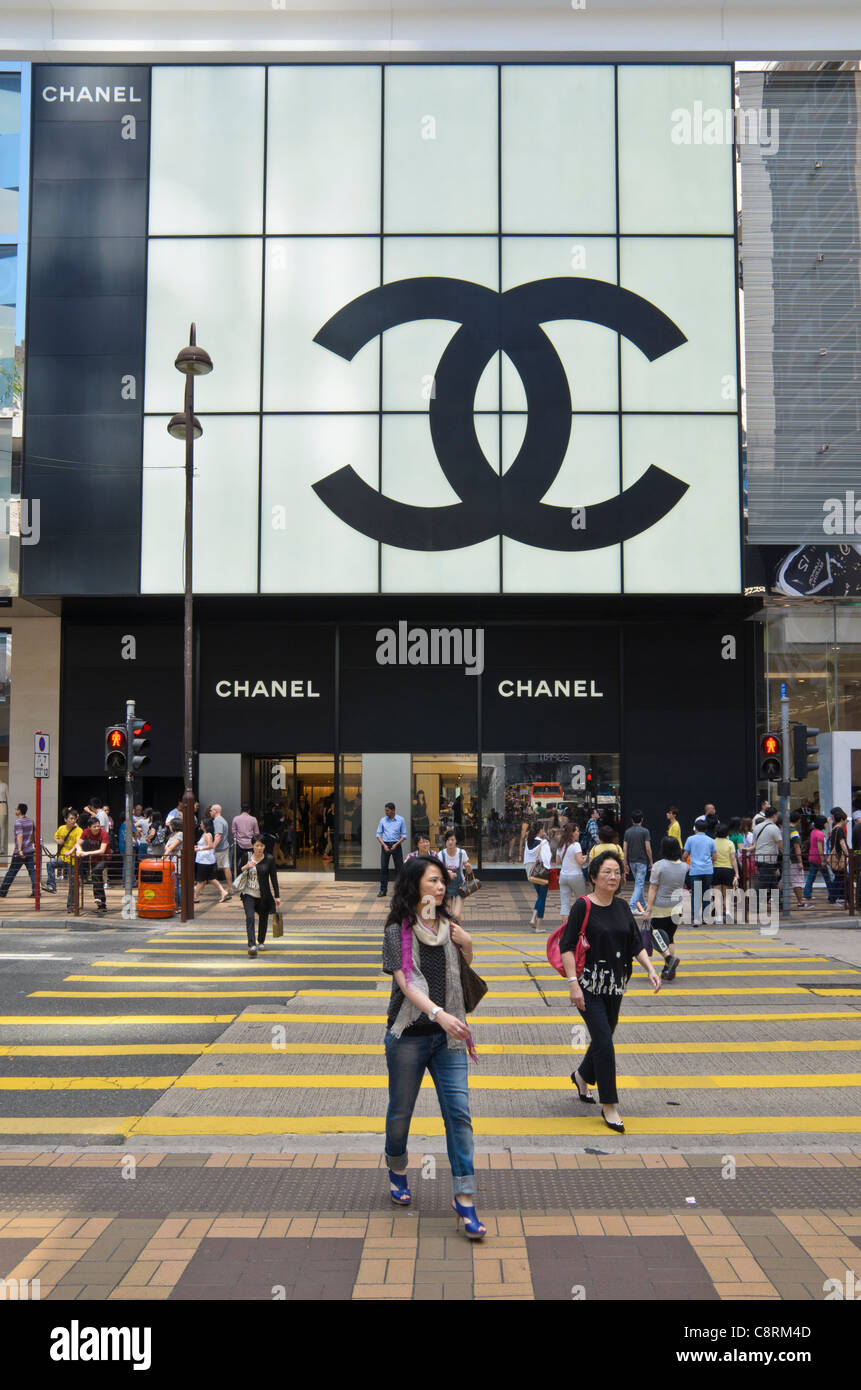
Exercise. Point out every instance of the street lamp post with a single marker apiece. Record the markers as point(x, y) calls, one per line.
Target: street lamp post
point(192, 361)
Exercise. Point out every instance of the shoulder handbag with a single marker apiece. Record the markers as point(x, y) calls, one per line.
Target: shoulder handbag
point(837, 856)
point(539, 872)
point(470, 884)
point(473, 986)
point(554, 951)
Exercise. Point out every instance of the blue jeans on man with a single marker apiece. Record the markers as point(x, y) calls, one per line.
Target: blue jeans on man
point(700, 890)
point(407, 1059)
point(638, 896)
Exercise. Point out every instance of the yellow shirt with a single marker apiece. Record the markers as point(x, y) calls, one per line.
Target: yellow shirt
point(66, 841)
point(676, 831)
point(616, 849)
point(722, 858)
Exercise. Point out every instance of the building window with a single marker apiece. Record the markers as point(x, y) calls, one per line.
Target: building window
point(548, 789)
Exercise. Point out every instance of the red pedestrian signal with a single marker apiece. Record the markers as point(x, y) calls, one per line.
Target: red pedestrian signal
point(770, 765)
point(116, 749)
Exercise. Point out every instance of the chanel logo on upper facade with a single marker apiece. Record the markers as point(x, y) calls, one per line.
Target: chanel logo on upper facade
point(493, 505)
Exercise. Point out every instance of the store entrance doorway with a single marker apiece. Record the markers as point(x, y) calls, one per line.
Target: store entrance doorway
point(293, 798)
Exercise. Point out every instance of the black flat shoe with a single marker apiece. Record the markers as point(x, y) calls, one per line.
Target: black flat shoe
point(619, 1129)
point(674, 965)
point(585, 1097)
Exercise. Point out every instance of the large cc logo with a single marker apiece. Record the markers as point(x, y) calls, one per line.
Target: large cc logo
point(493, 505)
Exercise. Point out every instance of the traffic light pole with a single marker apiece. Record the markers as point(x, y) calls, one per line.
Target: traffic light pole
point(783, 788)
point(186, 910)
point(129, 910)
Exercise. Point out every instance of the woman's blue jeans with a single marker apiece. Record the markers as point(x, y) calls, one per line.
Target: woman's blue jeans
point(813, 870)
point(407, 1059)
point(540, 898)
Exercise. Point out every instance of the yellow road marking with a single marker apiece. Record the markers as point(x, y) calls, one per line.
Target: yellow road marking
point(346, 971)
point(200, 994)
point(257, 974)
point(169, 1126)
point(261, 978)
point(345, 1081)
point(107, 1020)
point(564, 1020)
point(313, 1049)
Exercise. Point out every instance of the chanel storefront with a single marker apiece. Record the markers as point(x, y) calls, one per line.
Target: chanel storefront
point(467, 513)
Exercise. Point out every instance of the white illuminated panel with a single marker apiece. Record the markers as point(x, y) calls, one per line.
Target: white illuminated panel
point(692, 279)
point(206, 154)
point(412, 350)
point(589, 474)
point(225, 507)
point(217, 284)
point(441, 149)
point(696, 547)
point(307, 280)
point(304, 548)
point(667, 181)
point(323, 152)
point(412, 474)
point(558, 149)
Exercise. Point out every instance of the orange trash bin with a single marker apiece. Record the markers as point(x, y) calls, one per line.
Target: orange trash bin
point(156, 888)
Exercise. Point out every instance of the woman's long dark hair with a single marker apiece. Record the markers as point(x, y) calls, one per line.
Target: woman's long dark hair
point(407, 896)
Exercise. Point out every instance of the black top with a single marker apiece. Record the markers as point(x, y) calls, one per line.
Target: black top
point(267, 878)
point(432, 965)
point(613, 938)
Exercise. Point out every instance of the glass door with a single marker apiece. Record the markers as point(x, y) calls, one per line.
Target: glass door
point(273, 802)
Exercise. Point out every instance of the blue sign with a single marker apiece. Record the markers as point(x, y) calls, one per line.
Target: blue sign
point(783, 690)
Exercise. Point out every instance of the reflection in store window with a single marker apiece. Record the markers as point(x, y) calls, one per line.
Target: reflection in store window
point(349, 847)
point(445, 796)
point(551, 789)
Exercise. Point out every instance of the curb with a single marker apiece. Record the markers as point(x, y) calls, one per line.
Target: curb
point(75, 923)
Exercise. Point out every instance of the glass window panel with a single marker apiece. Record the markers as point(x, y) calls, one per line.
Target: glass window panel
point(307, 281)
point(589, 474)
point(694, 282)
point(441, 149)
point(558, 149)
point(225, 507)
point(588, 352)
point(305, 548)
point(445, 797)
point(694, 549)
point(412, 474)
point(323, 151)
point(206, 152)
point(670, 178)
point(217, 284)
point(412, 350)
point(547, 789)
point(350, 811)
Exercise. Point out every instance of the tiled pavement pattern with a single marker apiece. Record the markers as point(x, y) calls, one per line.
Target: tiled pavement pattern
point(603, 1252)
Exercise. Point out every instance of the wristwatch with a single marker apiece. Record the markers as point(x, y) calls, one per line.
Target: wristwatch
point(433, 1013)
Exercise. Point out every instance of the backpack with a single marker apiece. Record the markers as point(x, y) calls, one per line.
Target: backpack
point(554, 953)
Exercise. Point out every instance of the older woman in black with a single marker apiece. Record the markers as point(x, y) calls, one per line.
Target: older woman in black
point(258, 889)
point(612, 940)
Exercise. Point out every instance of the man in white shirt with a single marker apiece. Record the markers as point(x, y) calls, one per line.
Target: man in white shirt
point(768, 849)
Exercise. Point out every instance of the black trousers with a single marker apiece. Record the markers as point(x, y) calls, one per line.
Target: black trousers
point(600, 1013)
point(397, 855)
point(252, 906)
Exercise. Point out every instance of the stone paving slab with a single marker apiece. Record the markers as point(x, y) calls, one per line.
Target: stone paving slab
point(320, 1228)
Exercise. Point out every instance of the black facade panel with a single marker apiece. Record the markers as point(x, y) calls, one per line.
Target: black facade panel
point(551, 685)
point(86, 300)
point(85, 207)
point(688, 725)
point(266, 688)
point(87, 265)
point(97, 682)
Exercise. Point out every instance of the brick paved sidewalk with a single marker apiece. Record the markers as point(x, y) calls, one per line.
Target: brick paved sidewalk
point(90, 1232)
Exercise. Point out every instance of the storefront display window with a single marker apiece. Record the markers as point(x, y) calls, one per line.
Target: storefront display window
point(349, 847)
point(444, 796)
point(548, 789)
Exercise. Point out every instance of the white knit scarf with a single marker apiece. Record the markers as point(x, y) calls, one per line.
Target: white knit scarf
point(410, 1013)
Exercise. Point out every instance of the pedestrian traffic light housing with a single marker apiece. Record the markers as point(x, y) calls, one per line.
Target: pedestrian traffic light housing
point(140, 743)
point(116, 750)
point(804, 751)
point(770, 764)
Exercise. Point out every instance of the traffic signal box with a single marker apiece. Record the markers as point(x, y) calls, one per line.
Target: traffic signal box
point(116, 750)
point(140, 742)
point(770, 763)
point(804, 751)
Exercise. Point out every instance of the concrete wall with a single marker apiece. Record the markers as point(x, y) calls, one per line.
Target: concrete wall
point(35, 704)
point(219, 778)
point(385, 777)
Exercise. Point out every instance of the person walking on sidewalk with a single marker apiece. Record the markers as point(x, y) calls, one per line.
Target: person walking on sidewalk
point(838, 856)
point(767, 850)
point(391, 833)
point(204, 862)
point(816, 858)
point(666, 894)
point(427, 1029)
point(537, 848)
point(24, 854)
point(221, 846)
point(612, 940)
point(701, 852)
point(638, 859)
point(571, 859)
point(258, 889)
point(244, 829)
